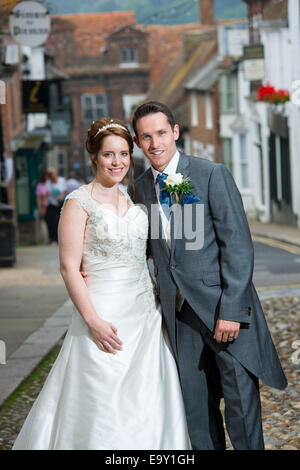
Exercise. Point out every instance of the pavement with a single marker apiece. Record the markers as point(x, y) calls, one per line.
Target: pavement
point(35, 310)
point(283, 233)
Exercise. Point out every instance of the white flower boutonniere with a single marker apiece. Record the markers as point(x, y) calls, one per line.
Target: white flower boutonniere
point(177, 185)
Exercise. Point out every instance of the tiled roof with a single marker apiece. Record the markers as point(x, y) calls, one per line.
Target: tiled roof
point(170, 90)
point(165, 44)
point(80, 37)
point(205, 77)
point(79, 40)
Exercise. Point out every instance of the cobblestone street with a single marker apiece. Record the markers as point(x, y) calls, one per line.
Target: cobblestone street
point(281, 409)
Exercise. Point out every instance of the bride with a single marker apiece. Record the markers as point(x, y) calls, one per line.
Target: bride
point(114, 384)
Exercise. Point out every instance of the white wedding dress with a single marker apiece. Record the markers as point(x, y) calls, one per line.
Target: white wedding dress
point(93, 400)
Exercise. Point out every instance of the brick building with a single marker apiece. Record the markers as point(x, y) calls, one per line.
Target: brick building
point(111, 62)
point(12, 119)
point(203, 111)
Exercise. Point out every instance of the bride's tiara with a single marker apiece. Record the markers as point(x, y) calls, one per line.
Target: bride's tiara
point(113, 124)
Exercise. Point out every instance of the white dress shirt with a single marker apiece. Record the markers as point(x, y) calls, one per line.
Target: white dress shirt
point(169, 170)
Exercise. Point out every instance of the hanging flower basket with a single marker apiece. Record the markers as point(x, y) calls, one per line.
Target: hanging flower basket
point(269, 94)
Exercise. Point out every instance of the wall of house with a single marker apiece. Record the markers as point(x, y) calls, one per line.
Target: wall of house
point(203, 119)
point(12, 117)
point(294, 106)
point(118, 89)
point(128, 38)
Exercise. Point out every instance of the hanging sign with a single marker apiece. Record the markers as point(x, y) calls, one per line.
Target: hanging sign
point(35, 96)
point(30, 23)
point(254, 62)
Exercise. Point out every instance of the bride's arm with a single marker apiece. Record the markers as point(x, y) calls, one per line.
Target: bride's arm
point(71, 236)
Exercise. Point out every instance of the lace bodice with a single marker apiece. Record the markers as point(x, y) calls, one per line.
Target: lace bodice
point(111, 238)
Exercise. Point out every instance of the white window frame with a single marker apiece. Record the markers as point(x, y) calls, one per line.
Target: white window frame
point(129, 56)
point(227, 145)
point(97, 110)
point(198, 148)
point(194, 109)
point(208, 112)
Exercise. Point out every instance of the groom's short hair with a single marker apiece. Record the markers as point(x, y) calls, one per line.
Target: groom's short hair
point(152, 107)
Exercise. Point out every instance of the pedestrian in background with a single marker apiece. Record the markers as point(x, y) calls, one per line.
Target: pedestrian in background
point(72, 183)
point(56, 187)
point(42, 194)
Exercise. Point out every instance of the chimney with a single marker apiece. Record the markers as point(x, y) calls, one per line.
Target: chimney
point(207, 12)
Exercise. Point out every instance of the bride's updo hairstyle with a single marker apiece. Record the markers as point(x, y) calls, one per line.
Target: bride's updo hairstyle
point(102, 128)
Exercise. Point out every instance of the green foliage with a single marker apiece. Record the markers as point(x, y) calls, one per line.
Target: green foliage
point(183, 188)
point(35, 379)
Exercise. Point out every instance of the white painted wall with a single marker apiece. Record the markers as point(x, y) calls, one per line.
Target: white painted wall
point(282, 68)
point(130, 101)
point(293, 108)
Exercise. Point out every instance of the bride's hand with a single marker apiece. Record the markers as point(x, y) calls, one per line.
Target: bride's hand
point(105, 336)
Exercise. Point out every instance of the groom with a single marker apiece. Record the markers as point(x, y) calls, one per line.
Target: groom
point(210, 307)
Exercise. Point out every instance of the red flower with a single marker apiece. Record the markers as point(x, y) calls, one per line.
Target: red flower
point(271, 95)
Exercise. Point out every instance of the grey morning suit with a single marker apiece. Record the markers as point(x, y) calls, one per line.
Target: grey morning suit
point(216, 282)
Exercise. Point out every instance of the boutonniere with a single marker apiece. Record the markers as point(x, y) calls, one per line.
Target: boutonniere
point(180, 187)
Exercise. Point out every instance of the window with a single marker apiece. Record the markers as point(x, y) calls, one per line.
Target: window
point(198, 148)
point(194, 109)
point(230, 91)
point(208, 112)
point(129, 55)
point(227, 153)
point(130, 102)
point(228, 85)
point(94, 106)
point(62, 164)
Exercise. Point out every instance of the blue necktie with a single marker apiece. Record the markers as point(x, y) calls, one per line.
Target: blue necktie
point(164, 196)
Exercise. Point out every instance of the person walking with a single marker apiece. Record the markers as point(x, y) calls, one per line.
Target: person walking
point(56, 187)
point(42, 195)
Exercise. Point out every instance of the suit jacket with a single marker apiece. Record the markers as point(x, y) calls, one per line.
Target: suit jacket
point(216, 278)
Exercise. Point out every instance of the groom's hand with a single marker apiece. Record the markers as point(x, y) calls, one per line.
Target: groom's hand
point(226, 331)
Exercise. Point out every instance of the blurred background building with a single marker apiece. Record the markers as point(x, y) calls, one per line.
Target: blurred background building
point(232, 84)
